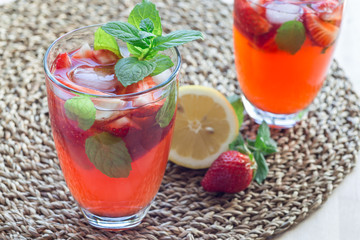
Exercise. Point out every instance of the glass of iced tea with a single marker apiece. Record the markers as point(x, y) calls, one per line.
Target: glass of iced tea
point(282, 53)
point(112, 141)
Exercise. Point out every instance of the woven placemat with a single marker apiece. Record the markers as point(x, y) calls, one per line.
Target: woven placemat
point(313, 157)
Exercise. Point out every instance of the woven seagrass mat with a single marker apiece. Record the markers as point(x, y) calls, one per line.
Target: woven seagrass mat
point(314, 156)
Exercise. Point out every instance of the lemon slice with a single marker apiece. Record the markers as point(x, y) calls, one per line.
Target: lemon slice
point(205, 125)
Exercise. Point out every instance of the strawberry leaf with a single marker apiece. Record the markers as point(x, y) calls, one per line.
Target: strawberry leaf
point(131, 70)
point(238, 107)
point(82, 110)
point(262, 168)
point(104, 40)
point(290, 36)
point(109, 155)
point(146, 10)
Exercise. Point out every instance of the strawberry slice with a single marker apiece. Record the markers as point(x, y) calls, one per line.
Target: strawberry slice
point(329, 10)
point(104, 56)
point(140, 86)
point(63, 61)
point(84, 52)
point(322, 33)
point(120, 127)
point(79, 88)
point(249, 20)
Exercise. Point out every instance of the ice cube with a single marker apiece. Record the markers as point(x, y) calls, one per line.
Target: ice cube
point(99, 78)
point(108, 109)
point(279, 12)
point(162, 77)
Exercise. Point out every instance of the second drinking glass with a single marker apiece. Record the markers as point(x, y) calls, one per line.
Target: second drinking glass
point(282, 53)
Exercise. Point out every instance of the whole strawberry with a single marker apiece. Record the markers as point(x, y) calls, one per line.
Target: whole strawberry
point(231, 172)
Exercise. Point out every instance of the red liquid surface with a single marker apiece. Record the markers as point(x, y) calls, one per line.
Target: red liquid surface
point(274, 80)
point(147, 143)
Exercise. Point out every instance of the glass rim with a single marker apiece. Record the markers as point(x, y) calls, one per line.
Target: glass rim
point(256, 2)
point(58, 83)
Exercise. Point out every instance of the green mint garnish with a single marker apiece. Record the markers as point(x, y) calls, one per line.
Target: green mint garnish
point(109, 155)
point(82, 110)
point(290, 36)
point(146, 10)
point(106, 41)
point(147, 25)
point(126, 32)
point(162, 63)
point(257, 149)
point(143, 36)
point(129, 69)
point(175, 39)
point(167, 111)
point(238, 107)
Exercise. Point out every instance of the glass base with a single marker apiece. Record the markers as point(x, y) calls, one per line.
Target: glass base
point(115, 223)
point(273, 120)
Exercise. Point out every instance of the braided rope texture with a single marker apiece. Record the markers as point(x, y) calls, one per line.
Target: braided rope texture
point(313, 159)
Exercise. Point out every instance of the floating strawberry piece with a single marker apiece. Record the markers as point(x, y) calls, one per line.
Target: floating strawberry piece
point(120, 127)
point(63, 61)
point(231, 172)
point(84, 52)
point(322, 33)
point(140, 86)
point(104, 56)
point(249, 20)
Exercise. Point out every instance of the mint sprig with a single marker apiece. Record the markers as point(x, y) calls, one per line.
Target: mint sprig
point(257, 149)
point(143, 35)
point(104, 40)
point(82, 110)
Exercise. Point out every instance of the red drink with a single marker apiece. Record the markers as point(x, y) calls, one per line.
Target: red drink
point(282, 52)
point(129, 121)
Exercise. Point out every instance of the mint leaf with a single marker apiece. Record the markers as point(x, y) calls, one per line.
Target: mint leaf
point(147, 25)
point(145, 10)
point(167, 111)
point(131, 70)
point(136, 51)
point(162, 62)
point(263, 140)
point(104, 40)
point(125, 32)
point(238, 106)
point(290, 36)
point(109, 155)
point(262, 168)
point(82, 110)
point(175, 39)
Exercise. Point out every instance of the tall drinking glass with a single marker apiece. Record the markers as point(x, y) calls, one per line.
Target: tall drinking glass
point(113, 165)
point(283, 50)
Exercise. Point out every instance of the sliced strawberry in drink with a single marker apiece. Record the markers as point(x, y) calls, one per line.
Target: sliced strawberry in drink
point(104, 56)
point(249, 20)
point(140, 86)
point(80, 88)
point(120, 127)
point(84, 52)
point(63, 61)
point(321, 32)
point(329, 10)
